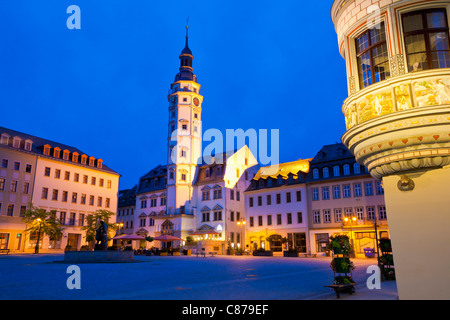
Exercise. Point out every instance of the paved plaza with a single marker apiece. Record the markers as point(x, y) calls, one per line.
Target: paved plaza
point(183, 278)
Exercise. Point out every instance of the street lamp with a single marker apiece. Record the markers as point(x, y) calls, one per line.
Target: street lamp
point(241, 224)
point(36, 248)
point(351, 221)
point(119, 225)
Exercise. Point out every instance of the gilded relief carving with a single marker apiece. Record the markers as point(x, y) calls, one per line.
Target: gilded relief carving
point(375, 105)
point(403, 97)
point(432, 92)
point(351, 116)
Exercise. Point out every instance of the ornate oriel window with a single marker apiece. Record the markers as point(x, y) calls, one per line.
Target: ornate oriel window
point(372, 56)
point(426, 39)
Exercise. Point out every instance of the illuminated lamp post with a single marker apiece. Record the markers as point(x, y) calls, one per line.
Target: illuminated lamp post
point(241, 224)
point(350, 222)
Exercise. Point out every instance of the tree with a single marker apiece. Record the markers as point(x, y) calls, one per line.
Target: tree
point(93, 221)
point(40, 222)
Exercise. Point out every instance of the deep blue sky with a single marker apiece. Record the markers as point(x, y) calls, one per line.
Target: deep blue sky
point(103, 89)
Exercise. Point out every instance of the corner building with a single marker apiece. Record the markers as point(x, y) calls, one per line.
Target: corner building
point(398, 125)
point(55, 177)
point(344, 199)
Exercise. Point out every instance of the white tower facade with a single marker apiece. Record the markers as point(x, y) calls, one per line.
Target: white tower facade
point(184, 137)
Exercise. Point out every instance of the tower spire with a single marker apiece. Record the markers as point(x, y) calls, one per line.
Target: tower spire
point(186, 57)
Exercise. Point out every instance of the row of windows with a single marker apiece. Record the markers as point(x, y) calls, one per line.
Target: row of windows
point(16, 166)
point(74, 199)
point(426, 38)
point(153, 202)
point(325, 215)
point(217, 216)
point(217, 194)
point(268, 198)
point(279, 219)
point(13, 187)
point(345, 191)
point(337, 171)
point(10, 210)
point(123, 212)
point(76, 177)
point(63, 218)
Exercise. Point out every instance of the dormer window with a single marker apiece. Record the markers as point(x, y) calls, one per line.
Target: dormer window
point(356, 168)
point(47, 149)
point(91, 161)
point(280, 180)
point(84, 159)
point(75, 157)
point(325, 172)
point(99, 163)
point(16, 142)
point(28, 145)
point(336, 171)
point(56, 152)
point(207, 173)
point(316, 174)
point(66, 154)
point(5, 139)
point(346, 169)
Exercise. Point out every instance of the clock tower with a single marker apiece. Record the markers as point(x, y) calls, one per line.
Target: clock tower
point(184, 139)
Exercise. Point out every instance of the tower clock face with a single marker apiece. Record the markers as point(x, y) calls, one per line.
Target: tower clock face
point(196, 101)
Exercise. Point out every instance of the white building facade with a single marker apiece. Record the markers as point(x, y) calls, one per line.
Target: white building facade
point(276, 208)
point(64, 180)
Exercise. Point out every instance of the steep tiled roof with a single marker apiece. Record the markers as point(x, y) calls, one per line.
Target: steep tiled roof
point(38, 148)
point(147, 181)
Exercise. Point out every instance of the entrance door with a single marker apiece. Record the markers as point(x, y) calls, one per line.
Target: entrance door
point(300, 241)
point(73, 240)
point(4, 240)
point(364, 240)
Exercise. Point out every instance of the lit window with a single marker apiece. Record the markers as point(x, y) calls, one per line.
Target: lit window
point(372, 57)
point(426, 39)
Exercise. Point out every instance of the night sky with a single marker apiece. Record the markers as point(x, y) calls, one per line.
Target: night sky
point(103, 88)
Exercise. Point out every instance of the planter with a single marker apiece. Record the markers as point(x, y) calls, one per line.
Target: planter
point(290, 254)
point(163, 253)
point(262, 253)
point(176, 253)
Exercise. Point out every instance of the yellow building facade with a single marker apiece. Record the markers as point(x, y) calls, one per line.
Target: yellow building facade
point(398, 125)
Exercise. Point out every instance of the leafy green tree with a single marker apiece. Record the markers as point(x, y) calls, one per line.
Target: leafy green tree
point(93, 221)
point(41, 222)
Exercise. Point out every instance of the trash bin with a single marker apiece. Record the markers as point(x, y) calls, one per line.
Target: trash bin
point(369, 252)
